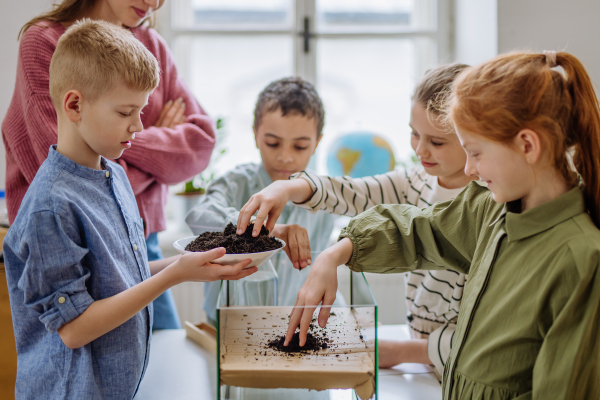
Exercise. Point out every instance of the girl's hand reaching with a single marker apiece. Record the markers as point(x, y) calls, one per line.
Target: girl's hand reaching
point(270, 203)
point(197, 267)
point(297, 244)
point(320, 286)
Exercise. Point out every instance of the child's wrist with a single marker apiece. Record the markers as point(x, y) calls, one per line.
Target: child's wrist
point(170, 275)
point(340, 253)
point(298, 190)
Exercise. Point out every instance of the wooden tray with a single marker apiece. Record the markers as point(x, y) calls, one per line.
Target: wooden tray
point(204, 334)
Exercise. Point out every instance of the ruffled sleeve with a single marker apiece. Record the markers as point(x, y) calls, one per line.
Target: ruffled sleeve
point(401, 238)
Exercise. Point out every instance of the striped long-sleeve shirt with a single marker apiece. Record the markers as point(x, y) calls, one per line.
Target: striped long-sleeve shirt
point(432, 297)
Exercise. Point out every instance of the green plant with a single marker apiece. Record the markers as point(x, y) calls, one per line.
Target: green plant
point(199, 183)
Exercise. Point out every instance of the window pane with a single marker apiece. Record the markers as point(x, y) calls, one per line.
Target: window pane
point(233, 14)
point(226, 74)
point(374, 15)
point(366, 85)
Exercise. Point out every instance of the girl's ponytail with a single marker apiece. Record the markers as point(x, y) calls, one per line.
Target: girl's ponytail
point(515, 91)
point(584, 130)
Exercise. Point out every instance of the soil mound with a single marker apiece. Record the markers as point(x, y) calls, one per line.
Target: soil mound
point(234, 243)
point(312, 343)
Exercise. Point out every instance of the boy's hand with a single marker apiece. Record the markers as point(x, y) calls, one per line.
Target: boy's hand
point(172, 114)
point(197, 267)
point(298, 244)
point(269, 202)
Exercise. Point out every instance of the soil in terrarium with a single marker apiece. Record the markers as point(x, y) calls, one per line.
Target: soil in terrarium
point(316, 339)
point(234, 243)
point(312, 343)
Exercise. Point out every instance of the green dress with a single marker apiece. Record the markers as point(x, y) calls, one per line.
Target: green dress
point(529, 323)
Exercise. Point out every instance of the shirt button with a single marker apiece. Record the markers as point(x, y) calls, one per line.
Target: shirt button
point(107, 174)
point(61, 300)
point(135, 247)
point(120, 202)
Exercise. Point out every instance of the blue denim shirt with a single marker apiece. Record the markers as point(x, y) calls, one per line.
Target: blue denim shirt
point(78, 237)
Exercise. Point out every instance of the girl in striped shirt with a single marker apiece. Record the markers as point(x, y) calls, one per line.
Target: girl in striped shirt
point(433, 297)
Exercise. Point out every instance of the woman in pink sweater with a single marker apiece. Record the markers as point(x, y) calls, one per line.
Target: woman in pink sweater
point(176, 142)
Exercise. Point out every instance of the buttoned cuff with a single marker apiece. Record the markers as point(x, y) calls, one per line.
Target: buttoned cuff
point(65, 308)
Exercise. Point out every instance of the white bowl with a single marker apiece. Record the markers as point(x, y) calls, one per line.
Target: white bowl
point(232, 259)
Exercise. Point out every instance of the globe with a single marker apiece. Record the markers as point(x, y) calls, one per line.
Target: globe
point(358, 154)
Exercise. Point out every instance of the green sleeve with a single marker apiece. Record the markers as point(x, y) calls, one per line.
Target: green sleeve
point(568, 364)
point(400, 238)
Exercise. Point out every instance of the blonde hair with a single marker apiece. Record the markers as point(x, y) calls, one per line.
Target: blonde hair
point(436, 84)
point(68, 11)
point(94, 57)
point(521, 91)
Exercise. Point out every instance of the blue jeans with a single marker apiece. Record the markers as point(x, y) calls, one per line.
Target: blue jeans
point(165, 311)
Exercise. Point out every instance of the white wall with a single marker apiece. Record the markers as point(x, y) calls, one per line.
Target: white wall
point(476, 31)
point(485, 28)
point(539, 25)
point(14, 15)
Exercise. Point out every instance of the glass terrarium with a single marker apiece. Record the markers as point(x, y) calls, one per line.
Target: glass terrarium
point(249, 369)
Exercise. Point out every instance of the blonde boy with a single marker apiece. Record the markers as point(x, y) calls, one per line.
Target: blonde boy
point(79, 281)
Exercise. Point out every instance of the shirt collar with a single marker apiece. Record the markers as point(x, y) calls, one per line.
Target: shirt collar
point(543, 217)
point(67, 164)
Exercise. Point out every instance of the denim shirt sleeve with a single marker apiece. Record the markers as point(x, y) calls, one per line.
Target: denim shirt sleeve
point(54, 277)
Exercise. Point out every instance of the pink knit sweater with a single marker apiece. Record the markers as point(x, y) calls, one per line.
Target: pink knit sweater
point(158, 156)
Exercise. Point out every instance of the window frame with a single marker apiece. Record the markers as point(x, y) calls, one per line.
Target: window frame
point(305, 64)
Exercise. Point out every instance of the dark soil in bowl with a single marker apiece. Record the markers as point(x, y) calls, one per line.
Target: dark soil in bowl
point(234, 243)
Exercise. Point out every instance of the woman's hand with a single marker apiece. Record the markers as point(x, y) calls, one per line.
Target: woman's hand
point(270, 203)
point(172, 114)
point(297, 244)
point(197, 267)
point(320, 286)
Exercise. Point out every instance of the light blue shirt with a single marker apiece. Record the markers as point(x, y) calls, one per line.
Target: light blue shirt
point(78, 238)
point(225, 196)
